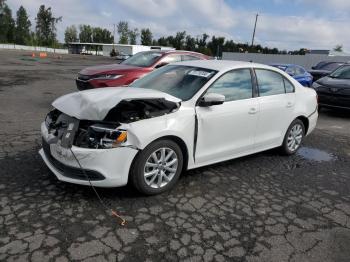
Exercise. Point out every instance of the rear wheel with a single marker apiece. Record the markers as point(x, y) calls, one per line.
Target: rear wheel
point(293, 138)
point(157, 168)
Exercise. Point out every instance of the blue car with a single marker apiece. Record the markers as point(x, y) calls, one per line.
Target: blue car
point(297, 72)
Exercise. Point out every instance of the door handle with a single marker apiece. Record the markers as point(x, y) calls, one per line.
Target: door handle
point(289, 104)
point(253, 111)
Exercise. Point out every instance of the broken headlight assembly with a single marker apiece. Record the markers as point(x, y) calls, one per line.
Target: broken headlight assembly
point(101, 135)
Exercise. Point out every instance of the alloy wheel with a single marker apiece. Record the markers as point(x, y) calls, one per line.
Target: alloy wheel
point(295, 137)
point(160, 167)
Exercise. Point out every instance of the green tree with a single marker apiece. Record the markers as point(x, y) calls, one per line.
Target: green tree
point(162, 41)
point(190, 44)
point(123, 31)
point(146, 36)
point(46, 26)
point(202, 41)
point(22, 32)
point(7, 24)
point(85, 35)
point(133, 35)
point(100, 35)
point(179, 40)
point(338, 48)
point(216, 44)
point(71, 34)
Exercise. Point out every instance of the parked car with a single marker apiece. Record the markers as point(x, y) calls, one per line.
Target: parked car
point(182, 116)
point(131, 69)
point(297, 72)
point(324, 68)
point(334, 90)
point(122, 56)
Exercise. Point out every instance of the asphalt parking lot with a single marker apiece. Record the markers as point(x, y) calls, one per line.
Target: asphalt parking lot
point(264, 207)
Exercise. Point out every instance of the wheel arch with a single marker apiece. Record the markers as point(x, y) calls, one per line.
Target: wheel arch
point(305, 121)
point(181, 143)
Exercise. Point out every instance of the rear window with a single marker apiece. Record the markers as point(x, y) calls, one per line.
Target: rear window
point(269, 82)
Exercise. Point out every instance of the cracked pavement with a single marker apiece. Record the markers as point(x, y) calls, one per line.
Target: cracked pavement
point(264, 207)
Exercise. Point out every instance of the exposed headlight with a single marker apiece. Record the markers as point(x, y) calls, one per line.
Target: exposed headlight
point(101, 135)
point(107, 76)
point(106, 136)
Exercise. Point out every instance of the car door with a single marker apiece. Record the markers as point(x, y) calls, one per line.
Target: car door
point(227, 130)
point(276, 107)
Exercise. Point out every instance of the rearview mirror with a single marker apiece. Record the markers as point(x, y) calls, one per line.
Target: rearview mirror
point(160, 65)
point(212, 99)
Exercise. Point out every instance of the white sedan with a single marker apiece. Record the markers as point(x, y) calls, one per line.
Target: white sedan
point(179, 117)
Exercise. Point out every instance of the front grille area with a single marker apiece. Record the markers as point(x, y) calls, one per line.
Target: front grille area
point(68, 171)
point(84, 77)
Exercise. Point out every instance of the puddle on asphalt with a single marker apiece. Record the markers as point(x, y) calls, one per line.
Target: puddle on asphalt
point(315, 154)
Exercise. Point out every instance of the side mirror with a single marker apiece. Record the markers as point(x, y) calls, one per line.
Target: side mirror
point(211, 99)
point(313, 67)
point(160, 65)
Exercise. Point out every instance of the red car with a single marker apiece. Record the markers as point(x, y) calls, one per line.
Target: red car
point(131, 69)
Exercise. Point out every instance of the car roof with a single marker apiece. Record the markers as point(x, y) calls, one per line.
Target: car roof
point(171, 51)
point(222, 65)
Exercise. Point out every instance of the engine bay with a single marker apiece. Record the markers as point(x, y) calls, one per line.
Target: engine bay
point(104, 134)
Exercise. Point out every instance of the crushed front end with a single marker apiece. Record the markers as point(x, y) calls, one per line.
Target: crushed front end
point(97, 145)
point(94, 129)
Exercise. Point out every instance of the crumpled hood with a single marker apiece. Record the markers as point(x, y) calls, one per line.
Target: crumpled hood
point(95, 104)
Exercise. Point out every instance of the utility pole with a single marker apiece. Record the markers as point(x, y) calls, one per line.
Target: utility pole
point(113, 35)
point(256, 20)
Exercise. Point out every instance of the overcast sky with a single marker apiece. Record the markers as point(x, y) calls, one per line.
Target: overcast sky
point(285, 24)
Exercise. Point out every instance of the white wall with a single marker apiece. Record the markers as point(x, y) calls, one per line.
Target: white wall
point(126, 49)
point(33, 48)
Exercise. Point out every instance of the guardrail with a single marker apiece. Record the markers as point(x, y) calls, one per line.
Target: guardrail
point(34, 48)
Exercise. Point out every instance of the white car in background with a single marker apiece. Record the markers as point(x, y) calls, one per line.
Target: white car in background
point(179, 117)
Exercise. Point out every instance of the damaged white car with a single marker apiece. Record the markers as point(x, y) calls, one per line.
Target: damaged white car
point(179, 117)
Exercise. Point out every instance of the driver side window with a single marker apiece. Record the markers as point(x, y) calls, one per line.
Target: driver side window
point(234, 85)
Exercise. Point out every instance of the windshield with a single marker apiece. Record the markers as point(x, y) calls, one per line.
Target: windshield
point(342, 72)
point(143, 59)
point(177, 80)
point(330, 66)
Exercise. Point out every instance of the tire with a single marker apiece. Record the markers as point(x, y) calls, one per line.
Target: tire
point(288, 148)
point(151, 172)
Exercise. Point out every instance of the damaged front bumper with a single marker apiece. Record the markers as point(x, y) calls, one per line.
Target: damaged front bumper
point(105, 167)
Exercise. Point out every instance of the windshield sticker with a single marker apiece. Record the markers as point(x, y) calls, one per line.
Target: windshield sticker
point(200, 73)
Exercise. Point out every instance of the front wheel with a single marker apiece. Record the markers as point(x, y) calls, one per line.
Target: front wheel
point(293, 137)
point(157, 168)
